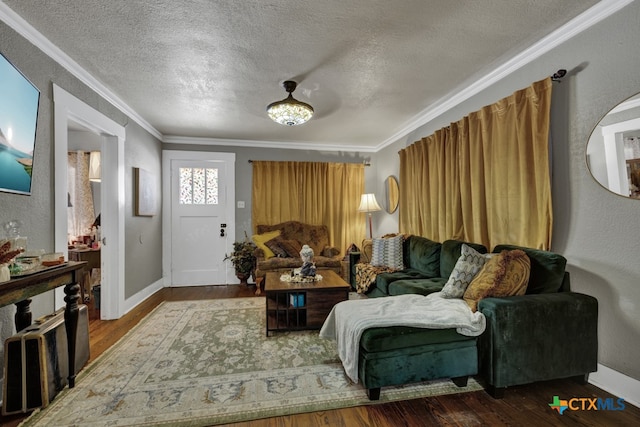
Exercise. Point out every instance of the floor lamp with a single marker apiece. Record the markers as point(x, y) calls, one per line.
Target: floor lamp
point(368, 204)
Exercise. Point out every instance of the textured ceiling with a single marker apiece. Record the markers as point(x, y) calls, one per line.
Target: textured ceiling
point(204, 68)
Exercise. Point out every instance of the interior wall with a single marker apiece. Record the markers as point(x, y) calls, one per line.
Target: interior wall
point(37, 210)
point(385, 166)
point(595, 229)
point(143, 235)
point(596, 234)
point(244, 173)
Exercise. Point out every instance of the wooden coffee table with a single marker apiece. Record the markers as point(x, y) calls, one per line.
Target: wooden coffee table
point(295, 305)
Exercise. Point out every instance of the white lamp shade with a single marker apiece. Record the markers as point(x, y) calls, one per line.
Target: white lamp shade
point(368, 203)
point(95, 169)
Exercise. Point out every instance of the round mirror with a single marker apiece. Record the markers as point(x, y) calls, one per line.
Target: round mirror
point(392, 189)
point(613, 150)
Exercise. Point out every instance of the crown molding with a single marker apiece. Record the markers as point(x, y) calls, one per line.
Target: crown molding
point(22, 27)
point(176, 139)
point(580, 23)
point(590, 17)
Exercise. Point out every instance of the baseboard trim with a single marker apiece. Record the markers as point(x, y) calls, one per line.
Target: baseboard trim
point(133, 301)
point(616, 383)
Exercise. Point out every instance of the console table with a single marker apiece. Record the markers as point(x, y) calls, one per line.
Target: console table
point(21, 288)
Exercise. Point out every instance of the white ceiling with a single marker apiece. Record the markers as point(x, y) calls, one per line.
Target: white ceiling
point(371, 69)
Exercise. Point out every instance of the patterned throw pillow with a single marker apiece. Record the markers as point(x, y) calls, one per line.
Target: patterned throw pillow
point(261, 239)
point(292, 247)
point(274, 245)
point(387, 252)
point(466, 268)
point(505, 274)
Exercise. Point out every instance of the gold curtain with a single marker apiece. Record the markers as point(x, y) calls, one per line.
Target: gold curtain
point(310, 192)
point(485, 178)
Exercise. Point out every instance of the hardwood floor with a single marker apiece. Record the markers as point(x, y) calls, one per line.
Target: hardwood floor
point(522, 406)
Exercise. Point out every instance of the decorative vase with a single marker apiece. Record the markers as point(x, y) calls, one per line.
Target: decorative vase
point(244, 277)
point(5, 274)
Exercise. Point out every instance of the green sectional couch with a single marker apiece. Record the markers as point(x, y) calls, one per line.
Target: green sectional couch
point(548, 333)
point(428, 265)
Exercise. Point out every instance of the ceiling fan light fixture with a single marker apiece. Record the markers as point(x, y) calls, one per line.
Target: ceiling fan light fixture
point(290, 111)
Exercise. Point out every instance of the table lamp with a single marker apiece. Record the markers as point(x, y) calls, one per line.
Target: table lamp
point(369, 204)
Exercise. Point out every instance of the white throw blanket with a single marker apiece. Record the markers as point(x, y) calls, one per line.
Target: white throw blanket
point(349, 319)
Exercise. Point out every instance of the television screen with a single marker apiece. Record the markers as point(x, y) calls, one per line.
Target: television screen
point(18, 116)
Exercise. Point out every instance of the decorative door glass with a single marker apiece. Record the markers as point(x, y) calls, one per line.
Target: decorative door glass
point(198, 186)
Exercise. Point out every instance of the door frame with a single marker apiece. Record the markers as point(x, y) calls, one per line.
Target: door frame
point(618, 181)
point(68, 108)
point(167, 219)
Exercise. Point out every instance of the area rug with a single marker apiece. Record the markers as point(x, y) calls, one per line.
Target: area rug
point(201, 363)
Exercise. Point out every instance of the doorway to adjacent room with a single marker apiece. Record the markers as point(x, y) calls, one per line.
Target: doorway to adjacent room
point(70, 111)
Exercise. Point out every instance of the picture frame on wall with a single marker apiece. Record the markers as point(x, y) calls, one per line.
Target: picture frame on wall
point(19, 101)
point(145, 193)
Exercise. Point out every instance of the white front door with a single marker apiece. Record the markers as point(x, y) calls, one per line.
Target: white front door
point(202, 217)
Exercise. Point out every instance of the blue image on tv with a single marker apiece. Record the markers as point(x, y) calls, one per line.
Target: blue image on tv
point(19, 100)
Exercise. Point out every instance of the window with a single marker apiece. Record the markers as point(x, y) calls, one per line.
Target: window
point(198, 186)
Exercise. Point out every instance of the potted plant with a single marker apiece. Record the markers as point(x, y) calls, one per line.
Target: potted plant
point(243, 259)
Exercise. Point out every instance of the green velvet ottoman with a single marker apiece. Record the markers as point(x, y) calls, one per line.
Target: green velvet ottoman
point(401, 355)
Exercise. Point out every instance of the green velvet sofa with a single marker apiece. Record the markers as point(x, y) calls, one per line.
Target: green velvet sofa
point(428, 265)
point(548, 333)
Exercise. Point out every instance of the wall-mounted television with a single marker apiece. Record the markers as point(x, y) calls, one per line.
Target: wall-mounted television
point(19, 100)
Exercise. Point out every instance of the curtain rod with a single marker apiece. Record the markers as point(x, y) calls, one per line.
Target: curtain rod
point(365, 162)
point(558, 75)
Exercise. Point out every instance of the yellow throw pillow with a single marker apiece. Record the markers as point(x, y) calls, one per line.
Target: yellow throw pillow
point(261, 239)
point(516, 276)
point(504, 274)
